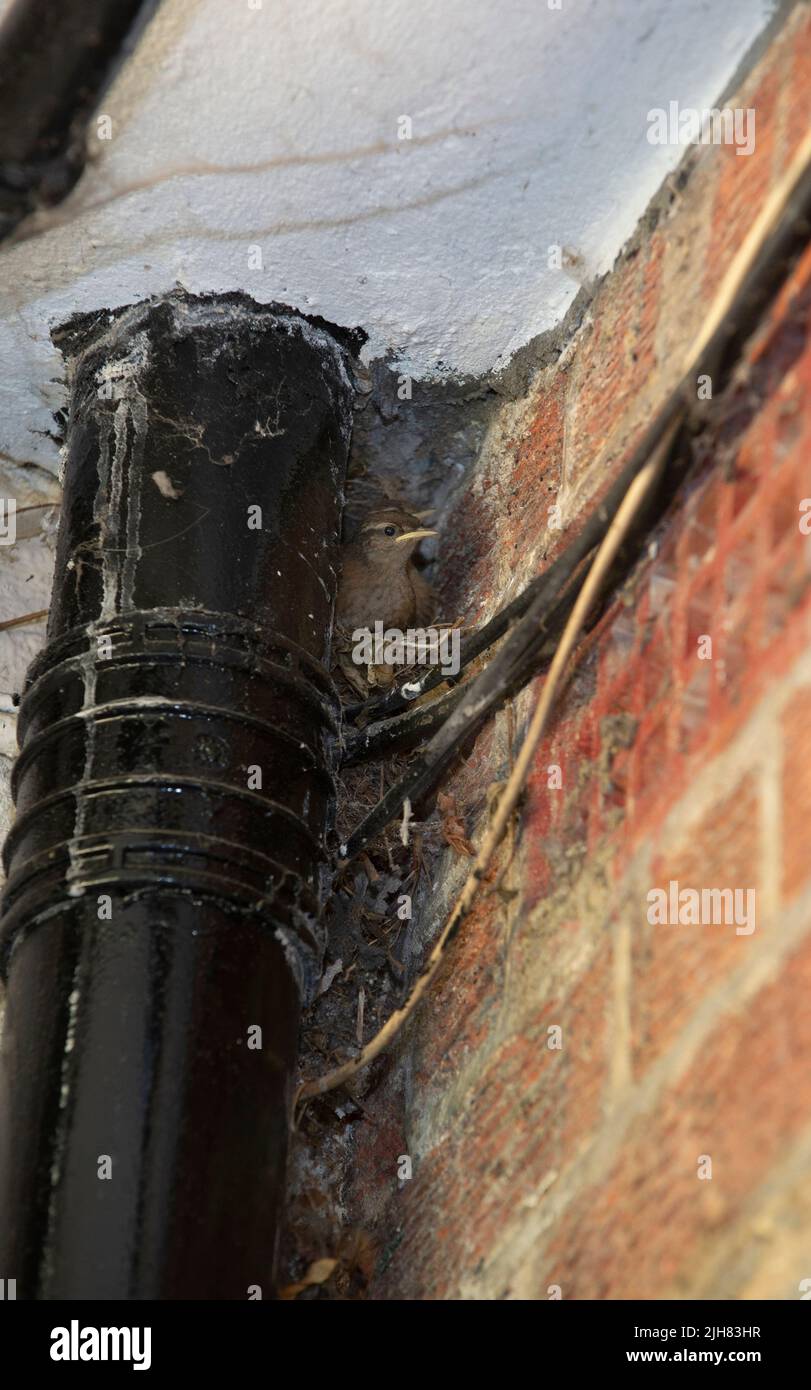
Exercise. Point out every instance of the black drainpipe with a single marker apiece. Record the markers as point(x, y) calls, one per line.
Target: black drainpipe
point(174, 798)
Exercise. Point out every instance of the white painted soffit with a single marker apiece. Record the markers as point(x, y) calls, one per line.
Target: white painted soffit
point(236, 128)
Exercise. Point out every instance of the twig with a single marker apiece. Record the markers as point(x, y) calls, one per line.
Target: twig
point(782, 221)
point(626, 514)
point(511, 829)
point(508, 671)
point(24, 618)
point(38, 507)
point(781, 227)
point(415, 725)
point(546, 586)
point(359, 1021)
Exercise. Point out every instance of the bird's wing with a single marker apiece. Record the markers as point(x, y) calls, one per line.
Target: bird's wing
point(423, 599)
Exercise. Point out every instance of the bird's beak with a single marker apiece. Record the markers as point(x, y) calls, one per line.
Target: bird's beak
point(415, 535)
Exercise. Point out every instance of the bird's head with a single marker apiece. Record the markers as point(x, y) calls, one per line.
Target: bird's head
point(390, 536)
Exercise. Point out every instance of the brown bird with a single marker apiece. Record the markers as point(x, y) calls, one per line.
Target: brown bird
point(380, 583)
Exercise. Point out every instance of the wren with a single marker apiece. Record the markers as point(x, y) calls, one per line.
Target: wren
point(379, 581)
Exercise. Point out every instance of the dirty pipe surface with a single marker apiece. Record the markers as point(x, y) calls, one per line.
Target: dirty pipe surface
point(175, 801)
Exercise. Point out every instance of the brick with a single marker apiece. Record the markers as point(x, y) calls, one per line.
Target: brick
point(643, 351)
point(742, 181)
point(675, 965)
point(468, 552)
point(699, 529)
point(656, 664)
point(532, 1109)
point(702, 618)
point(787, 587)
point(795, 100)
point(740, 561)
point(694, 707)
point(796, 797)
point(457, 1016)
point(538, 462)
point(606, 371)
point(640, 1228)
point(650, 760)
point(739, 662)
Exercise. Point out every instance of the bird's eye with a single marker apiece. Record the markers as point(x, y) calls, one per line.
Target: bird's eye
point(390, 531)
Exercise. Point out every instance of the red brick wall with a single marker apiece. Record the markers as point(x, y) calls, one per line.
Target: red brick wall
point(578, 1167)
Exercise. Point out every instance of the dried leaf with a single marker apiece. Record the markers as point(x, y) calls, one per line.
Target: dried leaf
point(452, 826)
point(318, 1273)
point(357, 1252)
point(371, 871)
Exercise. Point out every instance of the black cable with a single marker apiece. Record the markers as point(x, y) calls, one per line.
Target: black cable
point(767, 270)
